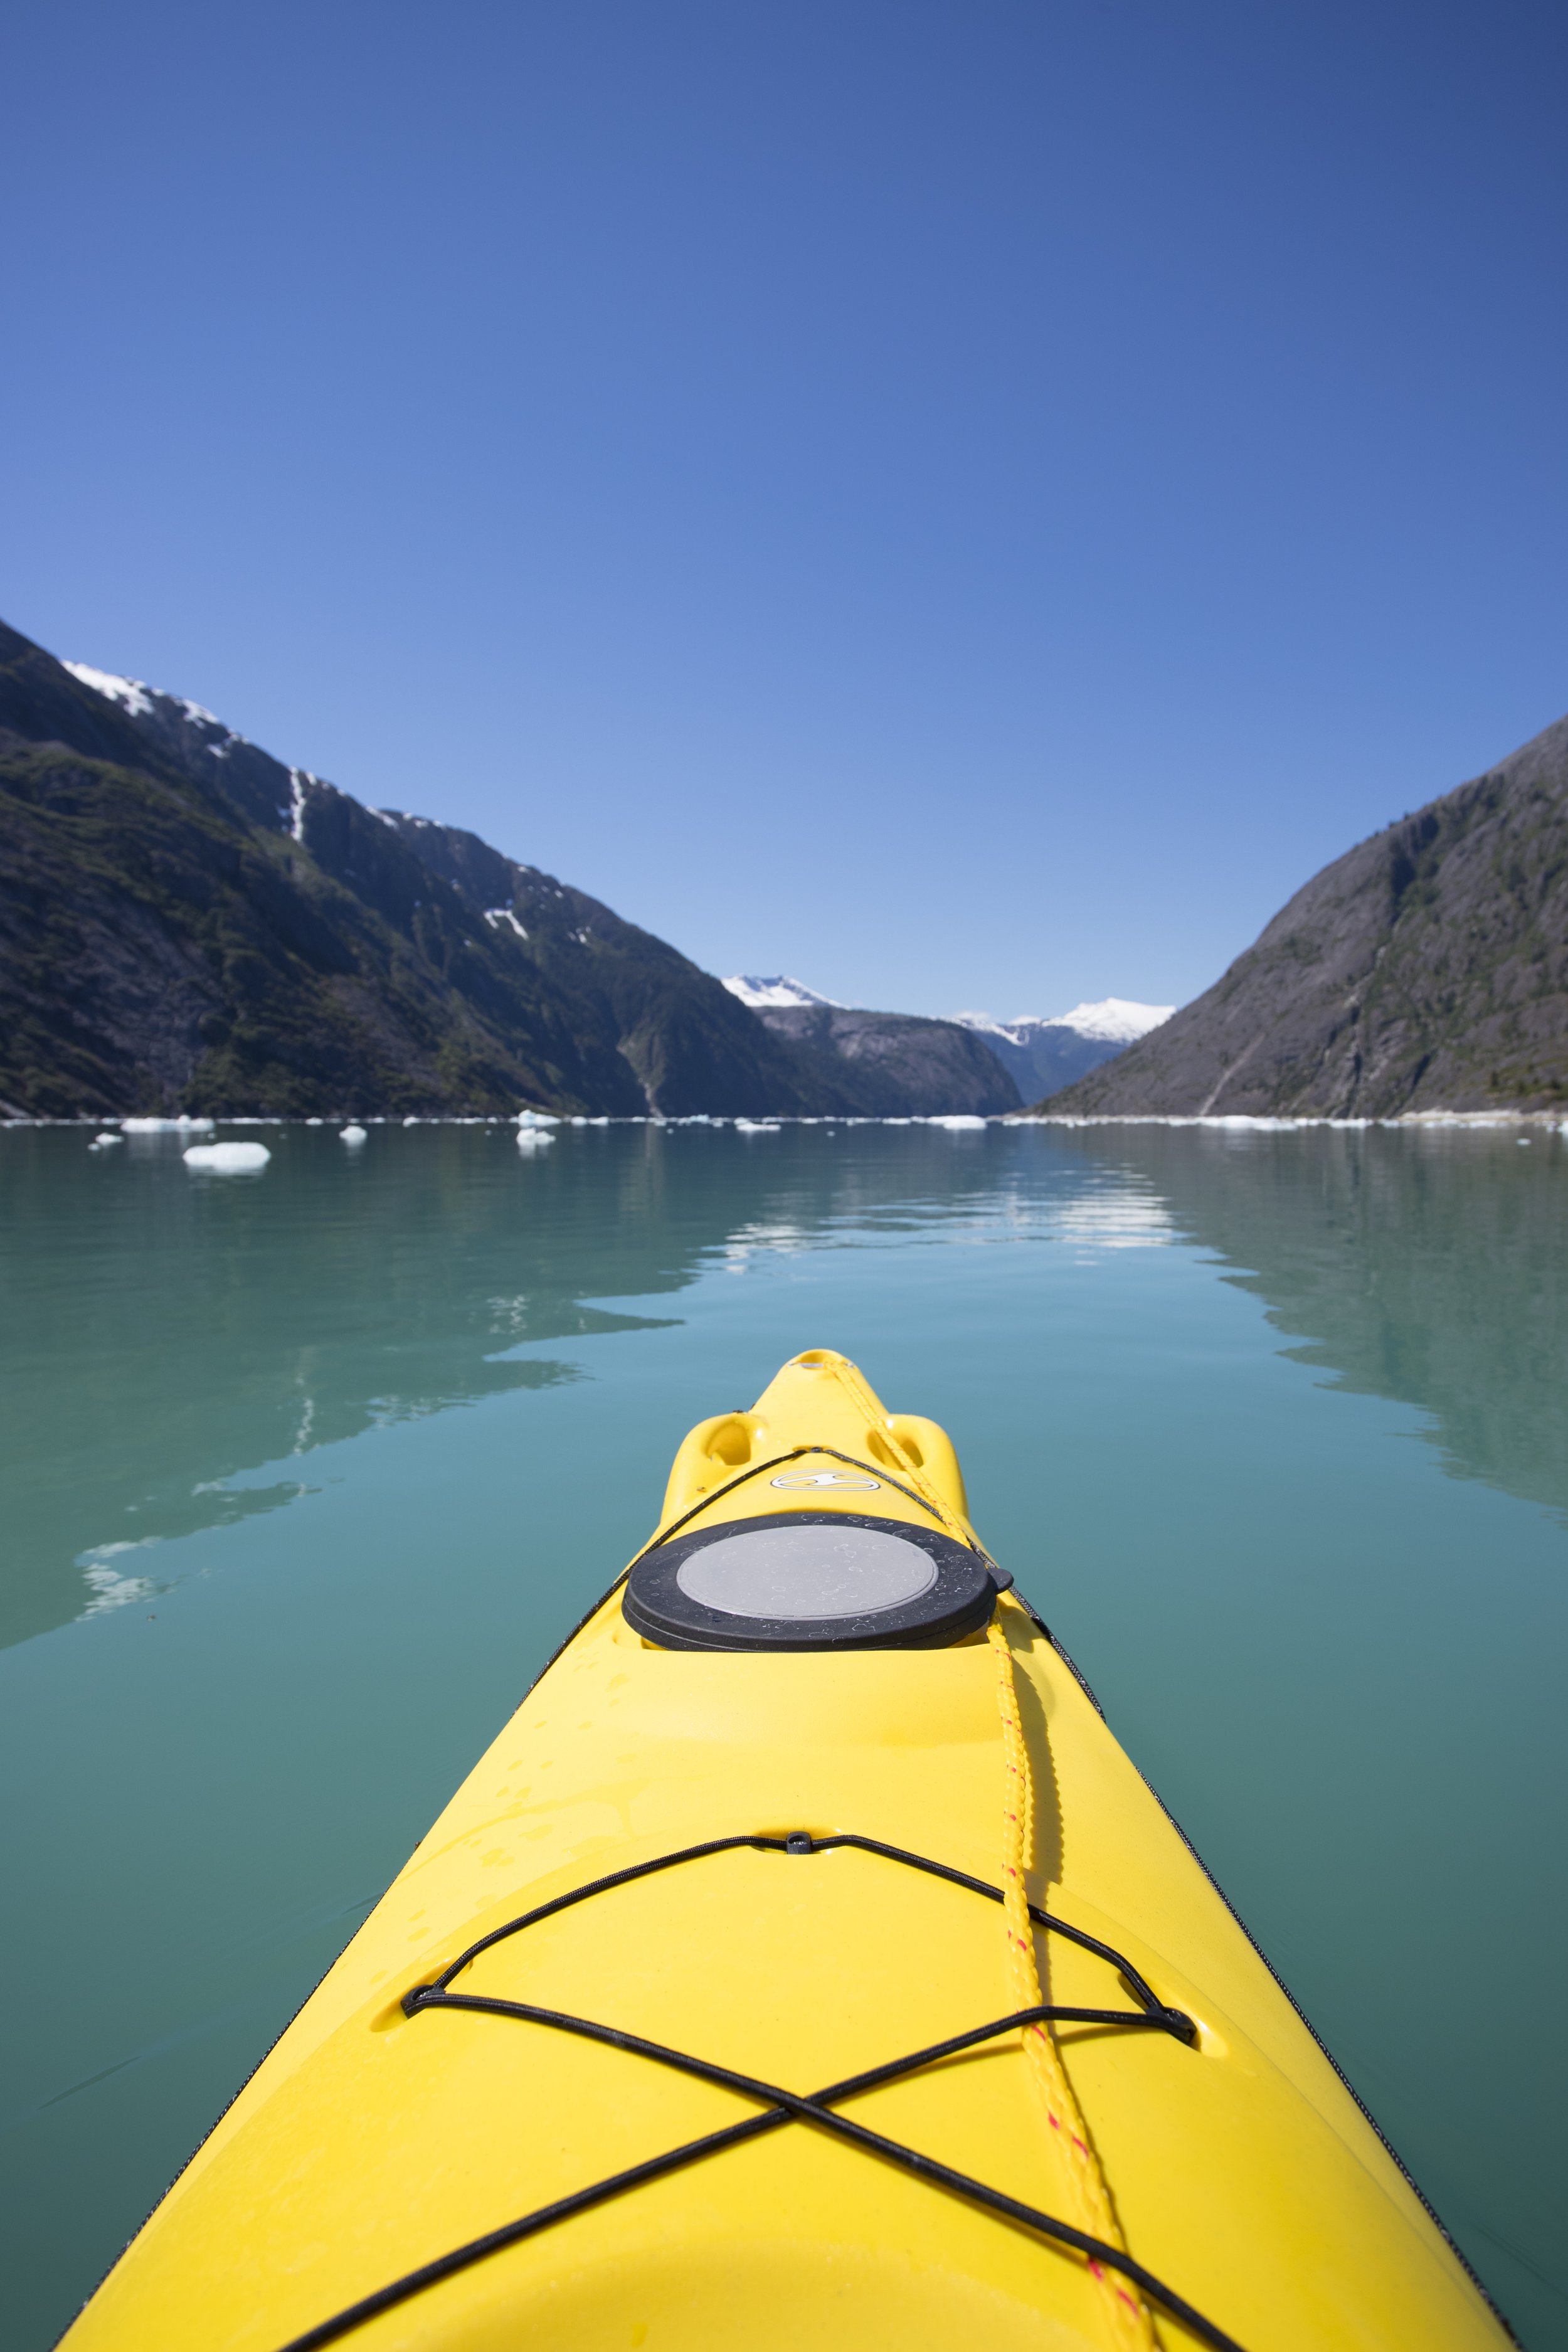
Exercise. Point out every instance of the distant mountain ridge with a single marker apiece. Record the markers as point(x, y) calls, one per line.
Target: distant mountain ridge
point(1042, 1054)
point(1426, 970)
point(899, 1062)
point(189, 924)
point(1036, 1054)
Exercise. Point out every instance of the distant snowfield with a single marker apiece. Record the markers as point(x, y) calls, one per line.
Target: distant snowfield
point(1114, 1020)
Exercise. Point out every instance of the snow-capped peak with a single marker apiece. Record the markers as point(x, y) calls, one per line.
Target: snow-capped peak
point(757, 991)
point(1114, 1020)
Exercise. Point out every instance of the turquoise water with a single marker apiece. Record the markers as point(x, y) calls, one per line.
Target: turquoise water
point(306, 1474)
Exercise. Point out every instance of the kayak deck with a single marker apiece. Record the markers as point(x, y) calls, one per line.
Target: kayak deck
point(390, 2127)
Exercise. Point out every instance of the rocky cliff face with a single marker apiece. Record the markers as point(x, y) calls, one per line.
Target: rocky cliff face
point(188, 924)
point(1426, 968)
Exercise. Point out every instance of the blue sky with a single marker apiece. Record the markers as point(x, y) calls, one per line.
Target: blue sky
point(970, 501)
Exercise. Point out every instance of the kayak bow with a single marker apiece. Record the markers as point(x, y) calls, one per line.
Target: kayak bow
point(812, 1799)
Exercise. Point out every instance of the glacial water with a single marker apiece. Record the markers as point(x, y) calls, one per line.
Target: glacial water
point(306, 1474)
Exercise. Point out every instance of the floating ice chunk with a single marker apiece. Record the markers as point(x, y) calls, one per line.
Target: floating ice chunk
point(956, 1118)
point(181, 1126)
point(537, 1118)
point(101, 1142)
point(756, 1127)
point(229, 1159)
point(354, 1134)
point(533, 1139)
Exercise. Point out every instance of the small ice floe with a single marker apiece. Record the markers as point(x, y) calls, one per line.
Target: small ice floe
point(410, 1121)
point(101, 1142)
point(531, 1140)
point(756, 1127)
point(352, 1134)
point(537, 1118)
point(229, 1159)
point(167, 1125)
point(955, 1120)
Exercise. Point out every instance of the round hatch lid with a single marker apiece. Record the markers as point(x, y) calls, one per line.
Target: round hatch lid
point(810, 1581)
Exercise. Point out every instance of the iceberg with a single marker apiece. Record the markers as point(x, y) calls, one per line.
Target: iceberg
point(229, 1159)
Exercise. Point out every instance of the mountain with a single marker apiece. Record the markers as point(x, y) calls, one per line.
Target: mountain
point(898, 1064)
point(1426, 970)
point(1041, 1055)
point(188, 924)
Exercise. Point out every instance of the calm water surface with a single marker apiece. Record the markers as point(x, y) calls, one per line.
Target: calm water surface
point(305, 1474)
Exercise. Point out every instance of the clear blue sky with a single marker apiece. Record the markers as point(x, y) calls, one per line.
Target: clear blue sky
point(970, 501)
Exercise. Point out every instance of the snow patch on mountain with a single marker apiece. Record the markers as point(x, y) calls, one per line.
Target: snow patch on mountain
point(757, 991)
point(496, 915)
point(141, 700)
point(136, 698)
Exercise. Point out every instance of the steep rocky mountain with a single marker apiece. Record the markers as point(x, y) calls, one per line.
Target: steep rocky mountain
point(898, 1063)
point(188, 924)
point(1426, 970)
point(1041, 1055)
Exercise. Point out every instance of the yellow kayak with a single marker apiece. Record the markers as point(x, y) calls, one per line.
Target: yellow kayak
point(803, 1964)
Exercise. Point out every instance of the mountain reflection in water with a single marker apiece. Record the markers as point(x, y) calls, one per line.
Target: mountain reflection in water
point(1428, 1266)
point(169, 1336)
